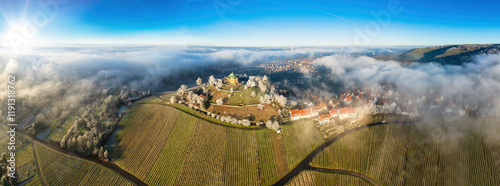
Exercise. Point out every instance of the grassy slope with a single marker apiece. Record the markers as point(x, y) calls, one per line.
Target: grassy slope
point(57, 134)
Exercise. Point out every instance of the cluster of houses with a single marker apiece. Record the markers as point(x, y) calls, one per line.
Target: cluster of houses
point(314, 111)
point(341, 113)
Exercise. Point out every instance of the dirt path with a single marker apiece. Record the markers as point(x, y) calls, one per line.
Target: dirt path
point(108, 165)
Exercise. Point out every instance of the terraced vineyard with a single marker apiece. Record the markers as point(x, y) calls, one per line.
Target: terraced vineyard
point(186, 150)
point(415, 154)
point(300, 139)
point(266, 159)
point(57, 169)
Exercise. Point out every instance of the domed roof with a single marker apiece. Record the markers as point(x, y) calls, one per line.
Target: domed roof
point(231, 75)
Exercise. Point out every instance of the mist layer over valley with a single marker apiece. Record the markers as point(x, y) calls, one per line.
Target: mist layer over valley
point(56, 83)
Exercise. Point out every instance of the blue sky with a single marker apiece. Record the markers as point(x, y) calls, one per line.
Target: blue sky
point(253, 22)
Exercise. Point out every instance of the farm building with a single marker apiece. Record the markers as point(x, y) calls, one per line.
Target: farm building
point(334, 113)
point(322, 106)
point(347, 112)
point(305, 113)
point(324, 119)
point(295, 114)
point(314, 111)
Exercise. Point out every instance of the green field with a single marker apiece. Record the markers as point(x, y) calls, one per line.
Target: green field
point(241, 96)
point(57, 134)
point(437, 153)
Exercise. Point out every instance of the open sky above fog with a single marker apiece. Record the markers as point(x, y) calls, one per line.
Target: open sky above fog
point(255, 22)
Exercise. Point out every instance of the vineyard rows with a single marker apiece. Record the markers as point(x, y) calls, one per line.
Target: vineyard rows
point(169, 162)
point(300, 139)
point(60, 169)
point(308, 177)
point(417, 154)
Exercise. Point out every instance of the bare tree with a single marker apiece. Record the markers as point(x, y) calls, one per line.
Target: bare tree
point(231, 91)
point(173, 99)
point(182, 90)
point(199, 82)
point(267, 99)
point(219, 101)
point(260, 106)
point(212, 80)
point(253, 94)
point(262, 87)
point(106, 154)
point(219, 83)
point(245, 122)
point(101, 152)
point(281, 100)
point(269, 123)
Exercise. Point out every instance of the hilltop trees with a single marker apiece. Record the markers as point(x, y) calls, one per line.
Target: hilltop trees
point(199, 82)
point(219, 84)
point(182, 90)
point(212, 80)
point(127, 96)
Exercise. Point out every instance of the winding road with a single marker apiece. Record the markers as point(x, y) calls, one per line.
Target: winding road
point(305, 163)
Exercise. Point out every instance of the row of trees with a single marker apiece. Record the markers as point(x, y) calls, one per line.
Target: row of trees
point(229, 119)
point(89, 130)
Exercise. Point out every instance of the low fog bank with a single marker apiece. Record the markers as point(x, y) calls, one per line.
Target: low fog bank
point(68, 78)
point(441, 92)
point(477, 81)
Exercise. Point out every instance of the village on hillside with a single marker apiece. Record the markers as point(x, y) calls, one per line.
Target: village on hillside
point(255, 101)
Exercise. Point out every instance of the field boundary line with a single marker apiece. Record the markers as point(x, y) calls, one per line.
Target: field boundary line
point(37, 166)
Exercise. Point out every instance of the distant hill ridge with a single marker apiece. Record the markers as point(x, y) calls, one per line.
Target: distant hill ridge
point(447, 54)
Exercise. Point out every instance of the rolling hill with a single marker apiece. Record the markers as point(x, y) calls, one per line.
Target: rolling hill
point(447, 54)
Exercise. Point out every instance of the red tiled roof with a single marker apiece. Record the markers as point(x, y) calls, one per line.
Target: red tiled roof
point(333, 112)
point(322, 105)
point(295, 112)
point(348, 98)
point(347, 110)
point(314, 109)
point(324, 117)
point(305, 112)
